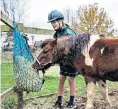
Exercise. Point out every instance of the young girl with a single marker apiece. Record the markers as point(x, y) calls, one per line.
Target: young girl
point(56, 19)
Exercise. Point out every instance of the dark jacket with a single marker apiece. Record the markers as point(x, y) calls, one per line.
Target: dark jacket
point(65, 31)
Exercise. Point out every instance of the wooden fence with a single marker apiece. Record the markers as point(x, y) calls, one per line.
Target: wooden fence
point(9, 27)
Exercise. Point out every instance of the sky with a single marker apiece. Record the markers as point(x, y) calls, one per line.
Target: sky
point(39, 9)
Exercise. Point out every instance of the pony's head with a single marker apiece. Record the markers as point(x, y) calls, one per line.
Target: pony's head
point(44, 59)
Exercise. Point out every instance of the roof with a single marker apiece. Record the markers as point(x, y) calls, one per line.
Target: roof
point(37, 43)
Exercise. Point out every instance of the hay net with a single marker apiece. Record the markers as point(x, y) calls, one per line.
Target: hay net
point(26, 78)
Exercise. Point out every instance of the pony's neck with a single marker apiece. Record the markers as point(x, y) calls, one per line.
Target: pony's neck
point(62, 45)
point(61, 49)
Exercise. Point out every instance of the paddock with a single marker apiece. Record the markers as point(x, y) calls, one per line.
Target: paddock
point(45, 98)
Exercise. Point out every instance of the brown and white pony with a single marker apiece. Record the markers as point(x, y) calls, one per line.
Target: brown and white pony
point(96, 68)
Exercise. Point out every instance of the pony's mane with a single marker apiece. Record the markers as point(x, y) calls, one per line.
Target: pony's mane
point(47, 41)
point(74, 46)
point(78, 44)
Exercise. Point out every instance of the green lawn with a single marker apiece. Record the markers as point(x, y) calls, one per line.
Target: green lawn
point(51, 81)
point(6, 75)
point(51, 86)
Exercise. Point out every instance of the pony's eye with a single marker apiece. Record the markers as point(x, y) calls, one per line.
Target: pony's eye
point(45, 51)
point(49, 50)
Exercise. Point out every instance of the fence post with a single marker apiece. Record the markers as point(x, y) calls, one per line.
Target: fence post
point(20, 27)
point(20, 96)
point(20, 99)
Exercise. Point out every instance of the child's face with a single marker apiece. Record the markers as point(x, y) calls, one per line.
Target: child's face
point(56, 24)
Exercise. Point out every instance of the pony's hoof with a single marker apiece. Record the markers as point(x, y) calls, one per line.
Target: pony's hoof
point(89, 107)
point(108, 104)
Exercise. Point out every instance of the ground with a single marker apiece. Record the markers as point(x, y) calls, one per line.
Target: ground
point(47, 102)
point(50, 86)
point(99, 102)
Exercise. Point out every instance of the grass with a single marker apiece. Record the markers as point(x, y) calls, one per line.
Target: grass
point(50, 85)
point(6, 75)
point(51, 81)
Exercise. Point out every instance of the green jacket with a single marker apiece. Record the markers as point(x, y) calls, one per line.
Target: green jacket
point(65, 31)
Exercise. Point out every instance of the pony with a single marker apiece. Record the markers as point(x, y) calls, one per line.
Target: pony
point(86, 53)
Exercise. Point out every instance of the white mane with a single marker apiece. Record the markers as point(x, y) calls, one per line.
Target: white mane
point(93, 38)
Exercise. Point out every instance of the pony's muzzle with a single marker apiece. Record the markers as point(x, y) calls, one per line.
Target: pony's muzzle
point(42, 66)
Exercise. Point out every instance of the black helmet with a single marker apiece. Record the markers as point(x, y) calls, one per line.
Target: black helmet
point(54, 15)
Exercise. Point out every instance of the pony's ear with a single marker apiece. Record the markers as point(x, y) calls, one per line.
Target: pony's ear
point(42, 45)
point(45, 42)
point(54, 42)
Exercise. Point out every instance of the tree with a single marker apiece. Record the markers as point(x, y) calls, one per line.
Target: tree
point(16, 10)
point(70, 18)
point(94, 20)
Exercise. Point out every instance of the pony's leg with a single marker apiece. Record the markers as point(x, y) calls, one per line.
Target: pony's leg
point(91, 88)
point(103, 85)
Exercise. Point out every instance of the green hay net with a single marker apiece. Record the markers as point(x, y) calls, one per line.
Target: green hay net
point(26, 78)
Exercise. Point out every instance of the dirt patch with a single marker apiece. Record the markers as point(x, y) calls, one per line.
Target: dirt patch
point(48, 102)
point(99, 101)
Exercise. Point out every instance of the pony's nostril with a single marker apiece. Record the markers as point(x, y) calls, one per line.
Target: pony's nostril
point(32, 66)
point(41, 65)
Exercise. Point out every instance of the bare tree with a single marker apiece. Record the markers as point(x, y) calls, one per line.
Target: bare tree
point(15, 10)
point(95, 20)
point(70, 17)
point(67, 15)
